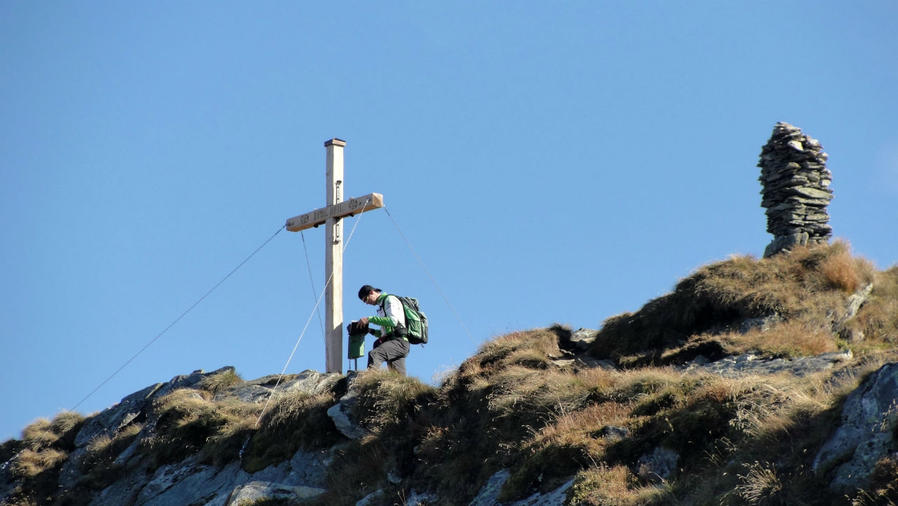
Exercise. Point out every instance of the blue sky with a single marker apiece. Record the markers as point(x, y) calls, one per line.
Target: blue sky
point(548, 162)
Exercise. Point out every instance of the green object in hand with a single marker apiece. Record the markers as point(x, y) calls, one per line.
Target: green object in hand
point(356, 346)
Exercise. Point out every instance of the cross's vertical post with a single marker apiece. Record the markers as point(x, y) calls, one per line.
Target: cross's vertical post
point(331, 215)
point(333, 268)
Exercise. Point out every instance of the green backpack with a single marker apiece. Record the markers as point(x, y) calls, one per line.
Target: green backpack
point(415, 320)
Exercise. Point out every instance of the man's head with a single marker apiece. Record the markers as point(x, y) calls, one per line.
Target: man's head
point(368, 294)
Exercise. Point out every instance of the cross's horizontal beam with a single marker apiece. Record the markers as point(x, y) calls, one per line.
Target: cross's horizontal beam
point(343, 209)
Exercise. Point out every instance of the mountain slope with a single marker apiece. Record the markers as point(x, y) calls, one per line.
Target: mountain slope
point(754, 382)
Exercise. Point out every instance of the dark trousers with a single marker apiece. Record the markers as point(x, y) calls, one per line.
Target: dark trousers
point(393, 352)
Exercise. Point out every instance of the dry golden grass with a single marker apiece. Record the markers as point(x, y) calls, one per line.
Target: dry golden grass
point(704, 418)
point(39, 434)
point(511, 407)
point(295, 420)
point(111, 445)
point(31, 463)
point(45, 444)
point(604, 485)
point(883, 487)
point(844, 272)
point(580, 429)
point(598, 380)
point(386, 399)
point(792, 338)
point(531, 345)
point(97, 466)
point(809, 285)
point(759, 484)
point(219, 382)
point(66, 422)
point(632, 384)
point(99, 444)
point(876, 323)
point(190, 421)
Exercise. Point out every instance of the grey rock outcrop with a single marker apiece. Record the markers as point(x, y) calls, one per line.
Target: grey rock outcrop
point(795, 190)
point(866, 433)
point(853, 305)
point(750, 363)
point(342, 413)
point(255, 492)
point(258, 390)
point(575, 346)
point(135, 406)
point(489, 493)
point(659, 465)
point(188, 482)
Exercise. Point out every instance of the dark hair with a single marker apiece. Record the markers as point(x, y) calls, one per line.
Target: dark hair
point(366, 289)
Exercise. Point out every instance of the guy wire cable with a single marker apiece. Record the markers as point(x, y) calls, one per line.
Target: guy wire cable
point(305, 327)
point(176, 320)
point(432, 279)
point(311, 277)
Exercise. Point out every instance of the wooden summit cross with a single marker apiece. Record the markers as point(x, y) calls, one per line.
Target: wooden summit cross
point(332, 214)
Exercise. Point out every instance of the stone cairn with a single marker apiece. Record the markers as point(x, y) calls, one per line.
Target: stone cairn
point(795, 190)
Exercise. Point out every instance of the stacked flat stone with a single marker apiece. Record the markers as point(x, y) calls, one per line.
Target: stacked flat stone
point(795, 190)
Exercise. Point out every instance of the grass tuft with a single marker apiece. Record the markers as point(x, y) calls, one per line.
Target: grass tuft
point(219, 382)
point(387, 400)
point(31, 463)
point(39, 434)
point(98, 467)
point(296, 420)
point(759, 484)
point(190, 421)
point(603, 485)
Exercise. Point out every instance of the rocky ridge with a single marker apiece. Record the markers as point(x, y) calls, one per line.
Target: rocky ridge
point(865, 435)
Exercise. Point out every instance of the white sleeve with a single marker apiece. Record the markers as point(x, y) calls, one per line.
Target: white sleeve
point(393, 309)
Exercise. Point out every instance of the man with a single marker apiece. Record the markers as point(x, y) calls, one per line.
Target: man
point(392, 345)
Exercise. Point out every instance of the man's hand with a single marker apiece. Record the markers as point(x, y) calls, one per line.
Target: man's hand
point(363, 321)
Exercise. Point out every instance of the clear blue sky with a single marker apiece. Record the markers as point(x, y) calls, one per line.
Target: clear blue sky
point(548, 161)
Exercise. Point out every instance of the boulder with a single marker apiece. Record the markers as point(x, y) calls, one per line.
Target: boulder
point(556, 497)
point(750, 363)
point(111, 419)
point(659, 465)
point(866, 432)
point(259, 390)
point(581, 339)
point(342, 413)
point(415, 497)
point(489, 493)
point(375, 497)
point(256, 492)
point(311, 382)
point(612, 433)
point(123, 490)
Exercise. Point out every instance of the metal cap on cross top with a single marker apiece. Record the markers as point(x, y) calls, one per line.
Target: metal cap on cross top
point(332, 215)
